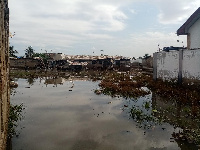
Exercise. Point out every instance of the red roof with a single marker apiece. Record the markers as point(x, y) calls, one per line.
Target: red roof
point(183, 30)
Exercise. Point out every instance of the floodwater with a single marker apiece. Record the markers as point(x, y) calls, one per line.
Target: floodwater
point(64, 114)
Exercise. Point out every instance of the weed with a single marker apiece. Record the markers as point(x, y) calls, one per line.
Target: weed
point(15, 114)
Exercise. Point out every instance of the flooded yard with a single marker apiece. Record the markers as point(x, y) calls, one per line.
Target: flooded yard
point(62, 114)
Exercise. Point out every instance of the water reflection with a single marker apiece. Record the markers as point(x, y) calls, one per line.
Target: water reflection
point(30, 81)
point(53, 80)
point(57, 118)
point(186, 117)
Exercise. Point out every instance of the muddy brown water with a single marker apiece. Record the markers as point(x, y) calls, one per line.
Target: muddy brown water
point(64, 114)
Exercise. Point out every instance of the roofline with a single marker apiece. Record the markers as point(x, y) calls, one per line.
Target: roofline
point(183, 30)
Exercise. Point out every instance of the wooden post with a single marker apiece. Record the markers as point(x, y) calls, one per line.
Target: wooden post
point(180, 66)
point(188, 41)
point(4, 72)
point(155, 66)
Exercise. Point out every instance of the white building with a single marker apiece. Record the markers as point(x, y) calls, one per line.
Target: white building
point(181, 65)
point(191, 28)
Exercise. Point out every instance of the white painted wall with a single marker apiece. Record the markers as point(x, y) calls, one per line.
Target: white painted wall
point(195, 35)
point(191, 64)
point(168, 65)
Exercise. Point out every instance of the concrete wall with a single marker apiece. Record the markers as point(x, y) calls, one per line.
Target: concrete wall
point(147, 62)
point(167, 65)
point(194, 34)
point(4, 70)
point(191, 64)
point(183, 65)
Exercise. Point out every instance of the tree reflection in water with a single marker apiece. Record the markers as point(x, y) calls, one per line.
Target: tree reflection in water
point(182, 116)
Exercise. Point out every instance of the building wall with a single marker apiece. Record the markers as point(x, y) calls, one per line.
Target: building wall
point(4, 71)
point(191, 64)
point(24, 62)
point(167, 65)
point(58, 57)
point(194, 34)
point(147, 62)
point(180, 65)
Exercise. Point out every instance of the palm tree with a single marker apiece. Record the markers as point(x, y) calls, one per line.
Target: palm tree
point(140, 57)
point(12, 52)
point(146, 56)
point(29, 52)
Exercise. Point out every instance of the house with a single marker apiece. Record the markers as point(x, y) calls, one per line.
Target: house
point(147, 62)
point(181, 65)
point(191, 28)
point(122, 63)
point(25, 63)
point(55, 56)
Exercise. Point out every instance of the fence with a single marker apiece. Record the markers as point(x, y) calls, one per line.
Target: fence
point(181, 66)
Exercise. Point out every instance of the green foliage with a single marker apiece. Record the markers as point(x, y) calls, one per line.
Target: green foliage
point(15, 114)
point(146, 56)
point(41, 55)
point(145, 120)
point(147, 105)
point(29, 52)
point(12, 52)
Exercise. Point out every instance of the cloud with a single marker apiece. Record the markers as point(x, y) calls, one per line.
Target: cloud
point(148, 42)
point(175, 12)
point(110, 16)
point(98, 36)
point(63, 23)
point(85, 15)
point(78, 25)
point(132, 11)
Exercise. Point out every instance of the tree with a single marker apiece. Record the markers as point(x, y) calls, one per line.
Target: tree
point(146, 56)
point(41, 55)
point(12, 52)
point(29, 52)
point(133, 58)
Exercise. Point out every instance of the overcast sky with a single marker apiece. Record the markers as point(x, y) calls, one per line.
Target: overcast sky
point(85, 27)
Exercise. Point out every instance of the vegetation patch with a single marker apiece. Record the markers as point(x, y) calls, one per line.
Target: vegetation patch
point(120, 84)
point(182, 100)
point(15, 114)
point(132, 86)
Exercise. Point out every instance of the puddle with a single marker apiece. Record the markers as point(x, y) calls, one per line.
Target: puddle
point(67, 114)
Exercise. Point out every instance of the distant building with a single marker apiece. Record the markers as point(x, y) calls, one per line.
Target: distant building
point(24, 62)
point(122, 63)
point(138, 60)
point(147, 62)
point(55, 56)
